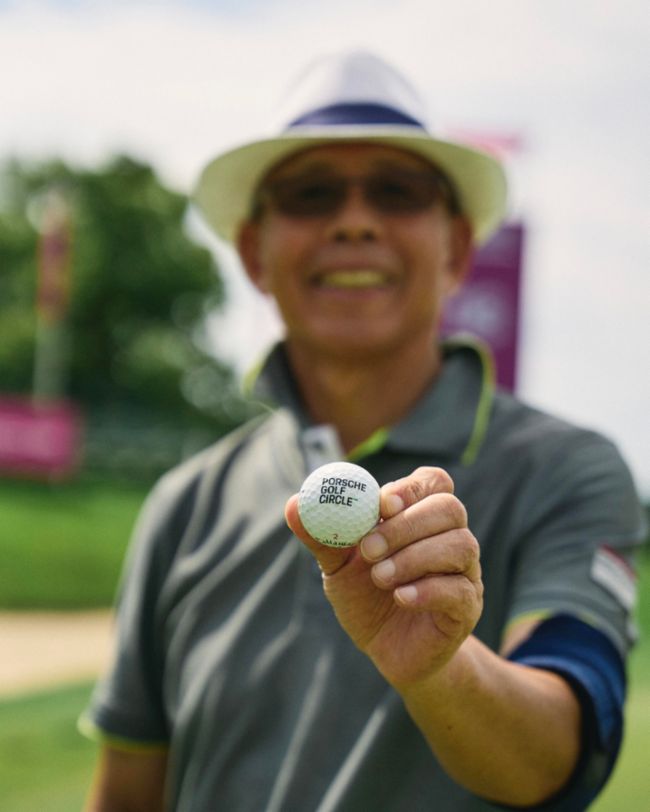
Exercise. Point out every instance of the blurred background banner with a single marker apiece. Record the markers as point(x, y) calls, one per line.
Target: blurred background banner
point(39, 439)
point(489, 303)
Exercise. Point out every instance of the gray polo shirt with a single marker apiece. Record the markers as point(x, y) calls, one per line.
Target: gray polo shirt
point(230, 654)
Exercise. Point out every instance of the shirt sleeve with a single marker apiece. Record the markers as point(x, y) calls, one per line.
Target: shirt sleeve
point(583, 523)
point(575, 567)
point(592, 666)
point(127, 708)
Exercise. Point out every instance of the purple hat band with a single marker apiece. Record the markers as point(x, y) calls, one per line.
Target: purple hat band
point(351, 113)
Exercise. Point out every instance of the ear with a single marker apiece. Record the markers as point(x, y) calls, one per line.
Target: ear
point(461, 245)
point(248, 247)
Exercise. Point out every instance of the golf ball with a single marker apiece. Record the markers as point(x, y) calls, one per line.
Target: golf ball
point(339, 503)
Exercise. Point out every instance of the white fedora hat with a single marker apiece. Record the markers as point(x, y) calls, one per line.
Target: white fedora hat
point(353, 96)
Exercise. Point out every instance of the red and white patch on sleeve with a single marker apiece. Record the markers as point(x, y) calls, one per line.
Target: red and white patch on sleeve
point(613, 573)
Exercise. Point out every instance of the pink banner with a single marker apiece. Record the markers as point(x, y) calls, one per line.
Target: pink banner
point(39, 439)
point(489, 304)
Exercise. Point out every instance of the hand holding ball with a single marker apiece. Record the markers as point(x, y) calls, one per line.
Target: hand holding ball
point(339, 503)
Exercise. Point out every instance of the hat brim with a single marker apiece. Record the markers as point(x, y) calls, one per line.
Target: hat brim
point(226, 186)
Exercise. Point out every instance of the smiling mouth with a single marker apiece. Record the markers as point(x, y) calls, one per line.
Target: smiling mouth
point(353, 279)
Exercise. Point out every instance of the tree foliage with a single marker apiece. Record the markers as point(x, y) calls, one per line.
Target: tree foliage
point(139, 292)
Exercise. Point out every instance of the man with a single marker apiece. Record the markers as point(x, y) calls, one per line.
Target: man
point(257, 673)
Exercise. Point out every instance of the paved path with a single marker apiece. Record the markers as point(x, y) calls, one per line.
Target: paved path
point(41, 650)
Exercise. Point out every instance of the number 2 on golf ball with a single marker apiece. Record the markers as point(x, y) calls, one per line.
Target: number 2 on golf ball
point(339, 503)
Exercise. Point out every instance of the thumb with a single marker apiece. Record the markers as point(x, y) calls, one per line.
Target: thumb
point(330, 559)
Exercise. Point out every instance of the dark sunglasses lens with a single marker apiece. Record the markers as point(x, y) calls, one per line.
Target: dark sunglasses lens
point(393, 193)
point(308, 197)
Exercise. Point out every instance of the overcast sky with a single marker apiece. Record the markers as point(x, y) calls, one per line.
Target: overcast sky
point(174, 83)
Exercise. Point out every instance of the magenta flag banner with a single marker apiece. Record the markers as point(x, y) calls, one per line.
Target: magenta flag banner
point(489, 304)
point(40, 440)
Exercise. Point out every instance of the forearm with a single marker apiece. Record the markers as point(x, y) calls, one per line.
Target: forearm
point(128, 781)
point(505, 731)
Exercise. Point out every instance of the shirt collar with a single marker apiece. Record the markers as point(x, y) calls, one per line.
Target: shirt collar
point(451, 418)
point(448, 422)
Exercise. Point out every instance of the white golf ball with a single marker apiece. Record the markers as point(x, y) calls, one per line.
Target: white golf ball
point(339, 503)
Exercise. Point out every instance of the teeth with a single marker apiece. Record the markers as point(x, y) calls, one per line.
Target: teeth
point(354, 279)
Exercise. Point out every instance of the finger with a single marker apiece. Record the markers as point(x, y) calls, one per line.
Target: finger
point(453, 553)
point(330, 559)
point(423, 482)
point(455, 600)
point(432, 515)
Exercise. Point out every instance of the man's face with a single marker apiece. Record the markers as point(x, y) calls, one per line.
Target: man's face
point(362, 276)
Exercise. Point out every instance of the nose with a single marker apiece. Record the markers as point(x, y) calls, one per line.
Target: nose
point(355, 220)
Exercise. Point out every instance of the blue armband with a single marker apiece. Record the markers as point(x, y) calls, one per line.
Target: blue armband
point(590, 663)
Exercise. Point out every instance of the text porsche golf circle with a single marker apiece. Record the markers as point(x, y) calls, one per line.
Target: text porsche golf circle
point(339, 503)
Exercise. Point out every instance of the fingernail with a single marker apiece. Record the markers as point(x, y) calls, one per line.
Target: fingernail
point(385, 570)
point(407, 594)
point(393, 504)
point(374, 546)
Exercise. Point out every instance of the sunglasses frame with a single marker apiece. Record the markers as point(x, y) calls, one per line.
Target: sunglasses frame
point(438, 188)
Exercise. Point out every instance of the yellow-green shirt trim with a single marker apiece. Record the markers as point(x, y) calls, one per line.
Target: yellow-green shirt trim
point(378, 438)
point(488, 385)
point(371, 445)
point(98, 735)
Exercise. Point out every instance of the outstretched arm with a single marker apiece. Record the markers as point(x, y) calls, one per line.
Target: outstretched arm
point(409, 596)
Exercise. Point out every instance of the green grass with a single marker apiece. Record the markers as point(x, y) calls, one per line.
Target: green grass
point(45, 764)
point(629, 787)
point(63, 545)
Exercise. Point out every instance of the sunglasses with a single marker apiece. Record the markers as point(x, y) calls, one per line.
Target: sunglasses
point(387, 191)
